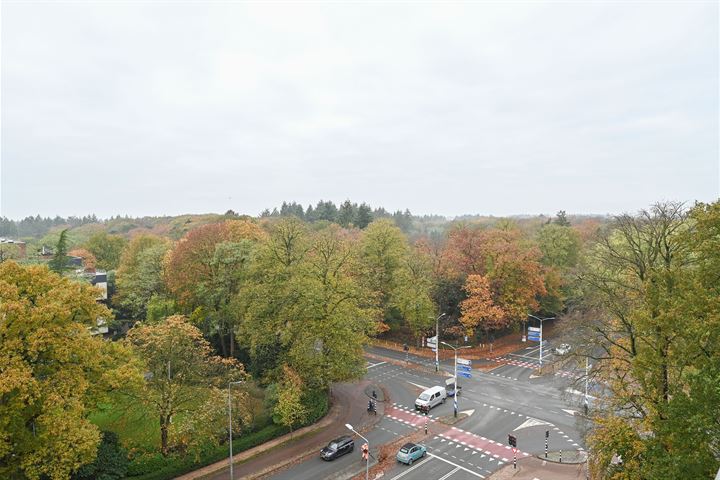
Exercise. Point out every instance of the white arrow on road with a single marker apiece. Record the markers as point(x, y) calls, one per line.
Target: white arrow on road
point(468, 412)
point(531, 422)
point(419, 386)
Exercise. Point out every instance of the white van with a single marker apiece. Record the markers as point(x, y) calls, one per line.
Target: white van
point(429, 398)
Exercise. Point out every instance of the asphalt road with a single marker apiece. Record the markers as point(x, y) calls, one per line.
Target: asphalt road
point(507, 399)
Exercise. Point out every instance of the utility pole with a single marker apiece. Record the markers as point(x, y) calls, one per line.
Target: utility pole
point(366, 455)
point(230, 384)
point(437, 342)
point(587, 371)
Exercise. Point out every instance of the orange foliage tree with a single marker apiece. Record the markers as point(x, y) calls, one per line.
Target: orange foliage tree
point(205, 272)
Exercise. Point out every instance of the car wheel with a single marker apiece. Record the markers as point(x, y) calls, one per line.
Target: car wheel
point(443, 400)
point(410, 461)
point(424, 453)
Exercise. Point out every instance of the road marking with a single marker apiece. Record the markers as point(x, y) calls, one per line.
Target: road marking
point(531, 422)
point(456, 465)
point(375, 365)
point(419, 386)
point(449, 474)
point(412, 468)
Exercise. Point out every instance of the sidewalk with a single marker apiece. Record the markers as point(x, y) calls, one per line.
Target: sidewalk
point(533, 468)
point(349, 406)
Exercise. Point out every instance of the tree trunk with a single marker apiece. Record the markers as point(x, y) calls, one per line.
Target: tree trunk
point(164, 422)
point(232, 343)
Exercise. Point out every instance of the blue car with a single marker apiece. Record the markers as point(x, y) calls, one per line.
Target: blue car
point(410, 452)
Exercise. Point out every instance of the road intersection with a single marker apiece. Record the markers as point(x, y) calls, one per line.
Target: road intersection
point(507, 399)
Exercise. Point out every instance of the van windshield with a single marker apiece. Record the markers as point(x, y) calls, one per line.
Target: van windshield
point(333, 446)
point(425, 397)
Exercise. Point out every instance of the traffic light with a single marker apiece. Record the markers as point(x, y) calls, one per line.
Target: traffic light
point(512, 441)
point(547, 433)
point(365, 451)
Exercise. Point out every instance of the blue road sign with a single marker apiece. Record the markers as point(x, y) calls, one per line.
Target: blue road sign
point(465, 374)
point(534, 338)
point(464, 368)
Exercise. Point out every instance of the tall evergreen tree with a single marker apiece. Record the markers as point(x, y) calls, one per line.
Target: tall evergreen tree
point(59, 260)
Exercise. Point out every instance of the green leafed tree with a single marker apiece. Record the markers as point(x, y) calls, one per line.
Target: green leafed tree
point(384, 253)
point(107, 249)
point(140, 274)
point(60, 259)
point(412, 297)
point(185, 383)
point(305, 307)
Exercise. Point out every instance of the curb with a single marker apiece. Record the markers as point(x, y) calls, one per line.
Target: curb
point(249, 454)
point(567, 462)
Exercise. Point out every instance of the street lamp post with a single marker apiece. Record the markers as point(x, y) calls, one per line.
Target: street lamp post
point(455, 401)
point(541, 335)
point(437, 343)
point(367, 464)
point(230, 384)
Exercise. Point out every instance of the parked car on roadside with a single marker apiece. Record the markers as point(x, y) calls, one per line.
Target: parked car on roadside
point(450, 388)
point(410, 452)
point(337, 448)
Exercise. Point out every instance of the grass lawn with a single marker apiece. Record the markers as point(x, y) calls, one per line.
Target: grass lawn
point(135, 426)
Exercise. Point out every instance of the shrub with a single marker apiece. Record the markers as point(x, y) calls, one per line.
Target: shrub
point(157, 467)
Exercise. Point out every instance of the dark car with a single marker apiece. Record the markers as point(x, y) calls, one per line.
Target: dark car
point(337, 448)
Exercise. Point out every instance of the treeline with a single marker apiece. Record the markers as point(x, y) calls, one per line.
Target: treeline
point(38, 226)
point(346, 215)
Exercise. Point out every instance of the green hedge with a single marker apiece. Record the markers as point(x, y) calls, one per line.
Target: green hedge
point(157, 467)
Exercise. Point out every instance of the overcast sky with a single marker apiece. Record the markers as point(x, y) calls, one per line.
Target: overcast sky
point(153, 108)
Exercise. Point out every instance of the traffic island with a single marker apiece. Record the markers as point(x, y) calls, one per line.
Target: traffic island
point(531, 468)
point(565, 456)
point(452, 419)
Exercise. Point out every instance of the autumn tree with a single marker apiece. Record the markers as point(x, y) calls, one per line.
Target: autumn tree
point(88, 259)
point(52, 372)
point(139, 275)
point(107, 249)
point(205, 273)
point(479, 309)
point(185, 381)
point(651, 290)
point(289, 410)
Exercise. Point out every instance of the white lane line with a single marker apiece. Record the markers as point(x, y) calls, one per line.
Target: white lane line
point(449, 474)
point(419, 464)
point(375, 365)
point(455, 465)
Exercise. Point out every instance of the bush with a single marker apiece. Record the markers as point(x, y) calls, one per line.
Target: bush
point(111, 462)
point(317, 402)
point(157, 467)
